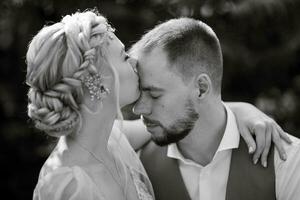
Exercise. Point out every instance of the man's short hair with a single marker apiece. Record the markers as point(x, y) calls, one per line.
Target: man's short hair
point(192, 48)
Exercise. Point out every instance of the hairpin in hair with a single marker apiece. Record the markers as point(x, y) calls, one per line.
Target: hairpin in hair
point(94, 83)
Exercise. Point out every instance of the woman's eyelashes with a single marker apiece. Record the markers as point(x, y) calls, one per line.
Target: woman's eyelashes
point(126, 56)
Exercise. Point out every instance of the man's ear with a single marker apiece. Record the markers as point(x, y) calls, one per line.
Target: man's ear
point(203, 85)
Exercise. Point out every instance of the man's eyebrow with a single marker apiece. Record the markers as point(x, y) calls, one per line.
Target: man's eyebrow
point(152, 88)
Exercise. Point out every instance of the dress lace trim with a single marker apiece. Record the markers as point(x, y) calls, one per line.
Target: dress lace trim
point(140, 186)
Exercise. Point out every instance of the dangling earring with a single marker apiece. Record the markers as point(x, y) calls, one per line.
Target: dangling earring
point(95, 86)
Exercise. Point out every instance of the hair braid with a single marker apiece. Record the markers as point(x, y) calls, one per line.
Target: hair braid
point(55, 78)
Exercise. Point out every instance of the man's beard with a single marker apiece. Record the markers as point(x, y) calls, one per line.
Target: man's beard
point(179, 129)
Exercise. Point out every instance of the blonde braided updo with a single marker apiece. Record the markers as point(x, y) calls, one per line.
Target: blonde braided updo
point(58, 58)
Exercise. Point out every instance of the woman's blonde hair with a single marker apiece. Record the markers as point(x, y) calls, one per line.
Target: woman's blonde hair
point(57, 59)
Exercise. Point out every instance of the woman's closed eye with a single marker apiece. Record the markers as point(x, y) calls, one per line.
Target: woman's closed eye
point(126, 56)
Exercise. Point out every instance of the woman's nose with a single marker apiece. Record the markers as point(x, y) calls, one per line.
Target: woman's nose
point(133, 63)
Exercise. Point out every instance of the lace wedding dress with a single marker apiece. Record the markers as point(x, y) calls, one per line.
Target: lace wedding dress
point(53, 183)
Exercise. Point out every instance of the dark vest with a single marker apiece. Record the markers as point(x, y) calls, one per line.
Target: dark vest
point(246, 181)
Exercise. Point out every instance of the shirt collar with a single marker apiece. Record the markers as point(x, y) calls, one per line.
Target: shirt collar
point(230, 139)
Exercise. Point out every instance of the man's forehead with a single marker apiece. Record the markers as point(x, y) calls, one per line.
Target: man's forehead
point(155, 80)
point(152, 62)
point(157, 52)
point(149, 79)
point(150, 71)
point(155, 88)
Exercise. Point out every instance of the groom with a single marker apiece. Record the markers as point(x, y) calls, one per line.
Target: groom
point(201, 155)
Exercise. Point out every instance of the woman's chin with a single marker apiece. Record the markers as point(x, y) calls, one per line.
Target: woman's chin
point(135, 96)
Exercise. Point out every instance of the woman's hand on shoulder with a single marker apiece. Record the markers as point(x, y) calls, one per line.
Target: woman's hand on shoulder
point(259, 131)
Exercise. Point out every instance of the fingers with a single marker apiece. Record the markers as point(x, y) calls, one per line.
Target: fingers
point(259, 131)
point(278, 143)
point(266, 150)
point(283, 134)
point(248, 139)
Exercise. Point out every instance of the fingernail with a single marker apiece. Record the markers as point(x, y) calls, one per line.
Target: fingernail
point(251, 150)
point(265, 164)
point(255, 161)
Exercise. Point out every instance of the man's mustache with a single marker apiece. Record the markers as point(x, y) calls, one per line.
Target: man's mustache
point(150, 121)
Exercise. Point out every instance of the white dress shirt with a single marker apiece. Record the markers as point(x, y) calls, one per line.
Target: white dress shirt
point(209, 182)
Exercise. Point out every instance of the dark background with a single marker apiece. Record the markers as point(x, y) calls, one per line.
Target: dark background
point(261, 47)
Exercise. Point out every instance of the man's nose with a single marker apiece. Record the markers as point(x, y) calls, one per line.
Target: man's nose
point(142, 107)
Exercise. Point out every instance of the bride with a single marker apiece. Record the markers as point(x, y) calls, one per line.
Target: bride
point(79, 77)
point(74, 70)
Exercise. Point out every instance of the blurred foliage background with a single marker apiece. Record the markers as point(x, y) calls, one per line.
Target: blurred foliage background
point(261, 48)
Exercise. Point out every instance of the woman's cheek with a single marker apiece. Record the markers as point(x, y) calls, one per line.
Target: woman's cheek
point(126, 93)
